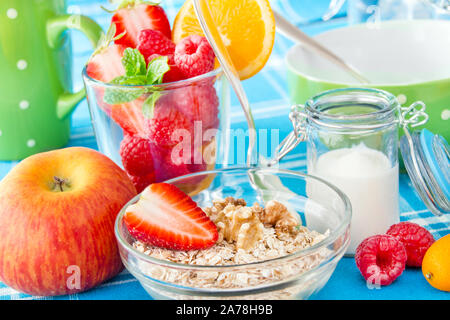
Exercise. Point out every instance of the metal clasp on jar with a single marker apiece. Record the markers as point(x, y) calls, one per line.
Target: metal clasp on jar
point(297, 135)
point(413, 115)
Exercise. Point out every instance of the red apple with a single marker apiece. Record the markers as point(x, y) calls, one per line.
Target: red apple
point(57, 212)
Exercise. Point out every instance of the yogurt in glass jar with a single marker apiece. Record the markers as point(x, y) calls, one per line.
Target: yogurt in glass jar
point(367, 177)
point(352, 142)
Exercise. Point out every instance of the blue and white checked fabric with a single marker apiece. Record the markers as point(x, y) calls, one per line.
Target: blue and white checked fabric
point(267, 93)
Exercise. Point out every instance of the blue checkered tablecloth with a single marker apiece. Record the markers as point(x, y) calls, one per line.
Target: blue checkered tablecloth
point(267, 93)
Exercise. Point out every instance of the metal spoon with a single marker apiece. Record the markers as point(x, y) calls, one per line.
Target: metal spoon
point(213, 35)
point(292, 32)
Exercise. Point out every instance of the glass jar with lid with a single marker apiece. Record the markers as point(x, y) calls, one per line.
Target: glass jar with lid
point(352, 137)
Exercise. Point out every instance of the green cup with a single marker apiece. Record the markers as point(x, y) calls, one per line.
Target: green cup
point(35, 83)
point(409, 59)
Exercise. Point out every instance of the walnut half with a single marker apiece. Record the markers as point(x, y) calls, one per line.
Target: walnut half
point(240, 224)
point(277, 215)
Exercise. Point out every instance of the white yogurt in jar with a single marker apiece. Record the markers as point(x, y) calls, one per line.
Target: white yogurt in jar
point(369, 180)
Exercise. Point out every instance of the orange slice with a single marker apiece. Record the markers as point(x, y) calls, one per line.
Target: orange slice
point(247, 28)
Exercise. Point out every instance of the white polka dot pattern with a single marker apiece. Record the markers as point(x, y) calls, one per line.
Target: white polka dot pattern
point(401, 98)
point(445, 115)
point(24, 104)
point(22, 64)
point(12, 13)
point(31, 143)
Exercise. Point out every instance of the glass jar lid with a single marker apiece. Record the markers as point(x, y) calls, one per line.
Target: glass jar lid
point(426, 158)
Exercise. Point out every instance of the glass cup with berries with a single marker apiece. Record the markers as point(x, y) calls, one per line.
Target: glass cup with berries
point(158, 108)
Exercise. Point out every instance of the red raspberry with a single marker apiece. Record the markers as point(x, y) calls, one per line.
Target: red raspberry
point(154, 42)
point(141, 182)
point(172, 170)
point(194, 56)
point(171, 167)
point(380, 259)
point(177, 164)
point(136, 155)
point(416, 240)
point(174, 74)
point(167, 126)
point(198, 102)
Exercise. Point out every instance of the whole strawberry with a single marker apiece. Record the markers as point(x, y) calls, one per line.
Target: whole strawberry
point(380, 259)
point(136, 155)
point(416, 240)
point(194, 56)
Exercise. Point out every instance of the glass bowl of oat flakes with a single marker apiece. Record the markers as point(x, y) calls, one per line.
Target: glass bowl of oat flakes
point(280, 236)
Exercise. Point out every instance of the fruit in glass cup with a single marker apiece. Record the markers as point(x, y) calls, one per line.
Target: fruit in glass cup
point(160, 124)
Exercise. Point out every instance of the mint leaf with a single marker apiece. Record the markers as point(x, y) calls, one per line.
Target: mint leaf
point(149, 104)
point(156, 69)
point(123, 94)
point(134, 63)
point(137, 74)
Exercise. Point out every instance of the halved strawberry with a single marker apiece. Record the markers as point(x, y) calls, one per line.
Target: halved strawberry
point(136, 17)
point(130, 118)
point(166, 217)
point(106, 64)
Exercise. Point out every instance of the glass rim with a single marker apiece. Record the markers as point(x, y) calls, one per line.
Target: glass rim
point(333, 236)
point(174, 84)
point(390, 105)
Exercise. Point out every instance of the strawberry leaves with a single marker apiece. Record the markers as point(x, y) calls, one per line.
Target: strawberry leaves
point(106, 39)
point(137, 76)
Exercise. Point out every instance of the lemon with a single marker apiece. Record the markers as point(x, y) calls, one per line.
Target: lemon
point(436, 264)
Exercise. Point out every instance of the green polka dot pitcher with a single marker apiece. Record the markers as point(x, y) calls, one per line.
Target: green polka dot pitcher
point(35, 83)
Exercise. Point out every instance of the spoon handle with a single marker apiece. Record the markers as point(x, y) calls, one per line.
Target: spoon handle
point(212, 34)
point(292, 32)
